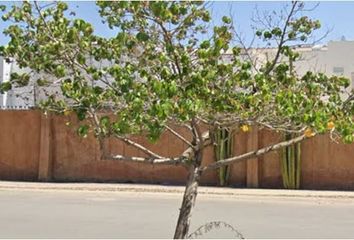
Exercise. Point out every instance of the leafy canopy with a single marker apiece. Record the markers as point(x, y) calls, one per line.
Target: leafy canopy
point(167, 64)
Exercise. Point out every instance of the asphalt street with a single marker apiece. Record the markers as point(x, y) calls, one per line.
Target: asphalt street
point(95, 214)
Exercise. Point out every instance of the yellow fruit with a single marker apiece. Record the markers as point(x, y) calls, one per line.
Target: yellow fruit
point(245, 128)
point(330, 125)
point(309, 133)
point(67, 112)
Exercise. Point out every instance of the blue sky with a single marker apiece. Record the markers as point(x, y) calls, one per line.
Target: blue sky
point(338, 16)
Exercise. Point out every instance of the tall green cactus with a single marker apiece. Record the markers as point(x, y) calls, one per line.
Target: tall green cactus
point(291, 165)
point(223, 149)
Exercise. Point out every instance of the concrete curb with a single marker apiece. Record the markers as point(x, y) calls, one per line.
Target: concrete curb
point(147, 188)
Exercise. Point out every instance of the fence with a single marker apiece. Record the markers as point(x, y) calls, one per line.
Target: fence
point(35, 147)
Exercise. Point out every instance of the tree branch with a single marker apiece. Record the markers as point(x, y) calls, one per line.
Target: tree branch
point(282, 38)
point(140, 147)
point(179, 136)
point(184, 159)
point(159, 161)
point(252, 154)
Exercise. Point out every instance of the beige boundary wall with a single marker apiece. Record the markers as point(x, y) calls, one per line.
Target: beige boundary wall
point(35, 147)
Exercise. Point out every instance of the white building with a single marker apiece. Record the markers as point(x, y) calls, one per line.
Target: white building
point(5, 69)
point(335, 58)
point(23, 97)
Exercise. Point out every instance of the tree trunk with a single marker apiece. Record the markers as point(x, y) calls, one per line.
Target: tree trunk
point(189, 197)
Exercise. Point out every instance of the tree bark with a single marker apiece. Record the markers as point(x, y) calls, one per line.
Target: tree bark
point(189, 198)
point(191, 191)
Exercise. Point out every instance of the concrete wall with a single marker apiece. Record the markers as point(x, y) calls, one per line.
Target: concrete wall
point(77, 158)
point(36, 147)
point(19, 144)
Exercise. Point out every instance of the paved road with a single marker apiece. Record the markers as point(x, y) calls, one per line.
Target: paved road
point(80, 214)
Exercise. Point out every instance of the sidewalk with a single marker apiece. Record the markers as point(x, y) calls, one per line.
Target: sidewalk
point(141, 188)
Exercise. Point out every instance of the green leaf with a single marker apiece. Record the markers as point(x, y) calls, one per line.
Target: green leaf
point(81, 59)
point(81, 114)
point(206, 16)
point(88, 30)
point(205, 44)
point(62, 6)
point(349, 139)
point(60, 71)
point(156, 8)
point(96, 76)
point(226, 20)
point(5, 86)
point(276, 31)
point(142, 36)
point(104, 121)
point(267, 35)
point(97, 90)
point(82, 131)
point(42, 82)
point(5, 17)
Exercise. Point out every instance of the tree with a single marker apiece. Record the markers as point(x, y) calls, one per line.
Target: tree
point(166, 66)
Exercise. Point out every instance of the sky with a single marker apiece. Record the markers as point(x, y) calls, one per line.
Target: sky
point(338, 17)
